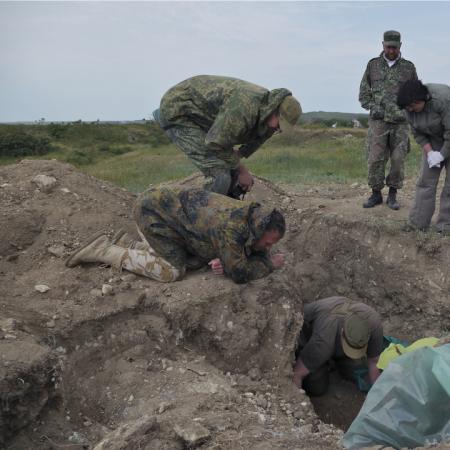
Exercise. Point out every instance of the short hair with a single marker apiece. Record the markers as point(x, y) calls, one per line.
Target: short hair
point(276, 222)
point(411, 91)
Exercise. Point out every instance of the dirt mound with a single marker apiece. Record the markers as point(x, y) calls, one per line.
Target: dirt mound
point(198, 363)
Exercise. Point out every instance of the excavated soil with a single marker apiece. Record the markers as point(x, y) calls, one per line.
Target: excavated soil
point(202, 362)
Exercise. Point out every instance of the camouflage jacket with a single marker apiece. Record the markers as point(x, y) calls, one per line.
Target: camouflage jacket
point(379, 87)
point(432, 124)
point(231, 111)
point(210, 226)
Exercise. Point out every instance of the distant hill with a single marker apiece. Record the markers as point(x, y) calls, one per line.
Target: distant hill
point(315, 116)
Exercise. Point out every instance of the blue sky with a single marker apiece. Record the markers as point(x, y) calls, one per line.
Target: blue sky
point(114, 60)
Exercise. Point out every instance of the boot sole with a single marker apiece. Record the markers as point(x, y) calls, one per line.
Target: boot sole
point(69, 260)
point(372, 206)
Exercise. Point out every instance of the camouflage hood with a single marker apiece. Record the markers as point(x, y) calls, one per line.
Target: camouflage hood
point(274, 99)
point(257, 220)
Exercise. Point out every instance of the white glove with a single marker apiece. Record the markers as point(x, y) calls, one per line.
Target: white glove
point(434, 159)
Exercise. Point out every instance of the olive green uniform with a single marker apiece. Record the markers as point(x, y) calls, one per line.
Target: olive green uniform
point(432, 126)
point(207, 117)
point(320, 339)
point(387, 137)
point(180, 224)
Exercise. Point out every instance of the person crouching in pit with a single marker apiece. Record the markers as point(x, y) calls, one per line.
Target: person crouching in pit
point(335, 328)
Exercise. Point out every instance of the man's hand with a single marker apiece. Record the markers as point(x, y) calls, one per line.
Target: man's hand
point(216, 266)
point(434, 159)
point(300, 372)
point(277, 260)
point(377, 112)
point(298, 381)
point(245, 178)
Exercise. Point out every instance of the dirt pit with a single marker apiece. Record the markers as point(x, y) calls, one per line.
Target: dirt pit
point(199, 363)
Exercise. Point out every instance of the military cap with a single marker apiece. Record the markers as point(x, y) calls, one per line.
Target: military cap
point(391, 38)
point(355, 336)
point(290, 110)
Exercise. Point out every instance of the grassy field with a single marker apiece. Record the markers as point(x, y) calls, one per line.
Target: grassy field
point(134, 156)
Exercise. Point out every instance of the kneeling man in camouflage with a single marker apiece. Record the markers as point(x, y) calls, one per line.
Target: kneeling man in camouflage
point(188, 228)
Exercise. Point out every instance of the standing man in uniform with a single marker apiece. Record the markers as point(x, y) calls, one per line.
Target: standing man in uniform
point(387, 137)
point(218, 120)
point(338, 329)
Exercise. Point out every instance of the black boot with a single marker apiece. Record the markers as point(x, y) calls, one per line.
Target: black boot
point(375, 199)
point(392, 199)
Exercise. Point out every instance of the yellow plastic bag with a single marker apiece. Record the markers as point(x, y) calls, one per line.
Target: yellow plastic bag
point(395, 350)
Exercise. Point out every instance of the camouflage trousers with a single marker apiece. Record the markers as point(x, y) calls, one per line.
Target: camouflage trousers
point(217, 167)
point(386, 141)
point(425, 200)
point(143, 260)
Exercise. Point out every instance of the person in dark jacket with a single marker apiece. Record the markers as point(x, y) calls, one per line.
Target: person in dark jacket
point(335, 328)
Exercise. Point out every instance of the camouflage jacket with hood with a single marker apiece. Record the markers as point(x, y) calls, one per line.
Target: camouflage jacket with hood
point(379, 87)
point(210, 226)
point(231, 111)
point(432, 124)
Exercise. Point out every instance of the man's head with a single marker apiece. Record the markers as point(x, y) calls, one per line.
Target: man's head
point(274, 227)
point(288, 112)
point(355, 336)
point(391, 44)
point(412, 96)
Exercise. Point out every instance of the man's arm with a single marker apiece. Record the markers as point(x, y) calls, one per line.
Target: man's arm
point(365, 91)
point(414, 74)
point(445, 117)
point(422, 139)
point(277, 261)
point(300, 373)
point(318, 350)
point(236, 264)
point(235, 118)
point(374, 372)
point(246, 150)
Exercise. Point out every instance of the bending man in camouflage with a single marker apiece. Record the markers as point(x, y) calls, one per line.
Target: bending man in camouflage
point(207, 116)
point(190, 228)
point(387, 137)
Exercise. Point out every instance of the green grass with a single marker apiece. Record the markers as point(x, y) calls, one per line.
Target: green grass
point(136, 170)
point(323, 157)
point(303, 156)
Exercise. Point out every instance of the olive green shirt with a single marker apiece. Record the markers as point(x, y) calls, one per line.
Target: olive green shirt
point(320, 338)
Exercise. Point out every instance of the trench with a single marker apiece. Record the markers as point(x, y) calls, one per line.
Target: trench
point(109, 365)
point(390, 272)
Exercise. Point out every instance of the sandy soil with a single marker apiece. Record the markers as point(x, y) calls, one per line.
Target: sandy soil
point(199, 363)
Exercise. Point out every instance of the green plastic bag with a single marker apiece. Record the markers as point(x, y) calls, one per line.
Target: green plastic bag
point(409, 405)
